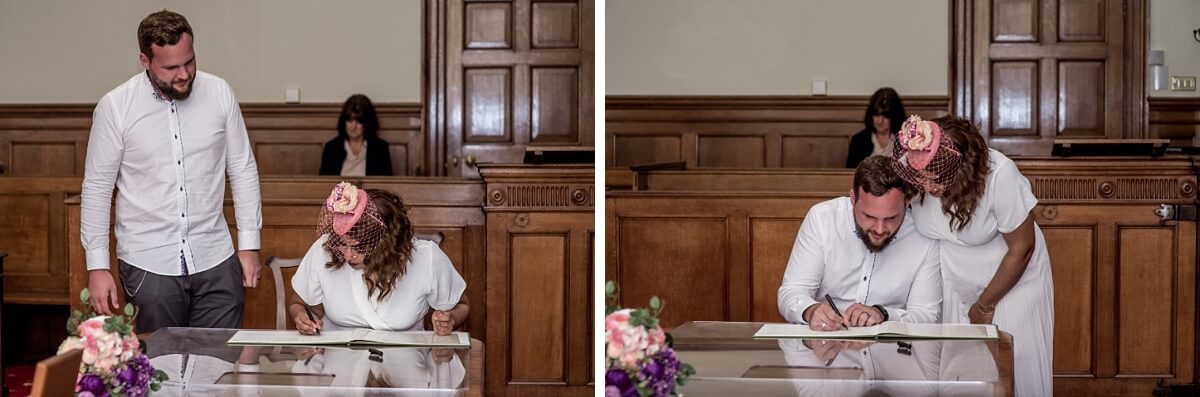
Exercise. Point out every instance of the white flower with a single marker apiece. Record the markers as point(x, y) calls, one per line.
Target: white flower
point(346, 198)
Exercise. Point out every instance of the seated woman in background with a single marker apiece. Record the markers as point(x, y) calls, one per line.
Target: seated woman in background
point(882, 120)
point(366, 270)
point(357, 150)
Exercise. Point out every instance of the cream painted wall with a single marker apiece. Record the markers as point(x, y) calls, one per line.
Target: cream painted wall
point(1171, 26)
point(777, 47)
point(73, 51)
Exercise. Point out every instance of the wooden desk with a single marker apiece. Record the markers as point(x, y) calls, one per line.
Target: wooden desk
point(729, 361)
point(210, 366)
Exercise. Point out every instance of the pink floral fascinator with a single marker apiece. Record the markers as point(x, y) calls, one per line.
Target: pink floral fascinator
point(922, 157)
point(351, 221)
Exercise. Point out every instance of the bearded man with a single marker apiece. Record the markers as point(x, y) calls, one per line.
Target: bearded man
point(859, 252)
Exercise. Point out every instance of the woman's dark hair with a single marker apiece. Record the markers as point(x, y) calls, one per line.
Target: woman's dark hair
point(886, 102)
point(359, 107)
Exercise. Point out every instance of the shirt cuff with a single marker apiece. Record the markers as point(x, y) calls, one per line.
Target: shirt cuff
point(97, 259)
point(248, 240)
point(249, 367)
point(801, 306)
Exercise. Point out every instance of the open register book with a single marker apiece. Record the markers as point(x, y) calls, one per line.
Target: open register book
point(885, 330)
point(355, 337)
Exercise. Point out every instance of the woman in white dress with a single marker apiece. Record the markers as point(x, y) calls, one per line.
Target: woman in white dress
point(995, 266)
point(366, 270)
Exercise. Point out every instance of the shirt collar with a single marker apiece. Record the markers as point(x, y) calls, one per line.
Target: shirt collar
point(154, 92)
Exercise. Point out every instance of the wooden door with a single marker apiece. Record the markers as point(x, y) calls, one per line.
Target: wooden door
point(512, 74)
point(1029, 71)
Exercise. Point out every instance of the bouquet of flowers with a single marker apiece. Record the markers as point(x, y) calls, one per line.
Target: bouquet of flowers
point(114, 361)
point(639, 360)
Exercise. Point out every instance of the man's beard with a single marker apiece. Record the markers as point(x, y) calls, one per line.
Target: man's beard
point(169, 91)
point(866, 239)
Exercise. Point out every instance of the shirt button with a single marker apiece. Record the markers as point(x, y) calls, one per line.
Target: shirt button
point(176, 136)
point(181, 188)
point(183, 240)
point(179, 162)
point(864, 278)
point(182, 215)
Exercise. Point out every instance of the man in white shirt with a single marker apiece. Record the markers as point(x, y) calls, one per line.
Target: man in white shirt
point(166, 140)
point(859, 251)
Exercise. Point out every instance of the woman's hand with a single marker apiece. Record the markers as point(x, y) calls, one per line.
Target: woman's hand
point(443, 323)
point(978, 316)
point(304, 325)
point(442, 355)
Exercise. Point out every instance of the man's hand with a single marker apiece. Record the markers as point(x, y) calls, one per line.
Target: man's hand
point(859, 315)
point(251, 267)
point(821, 317)
point(103, 291)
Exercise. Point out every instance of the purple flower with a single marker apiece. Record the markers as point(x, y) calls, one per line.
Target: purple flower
point(660, 371)
point(93, 384)
point(618, 384)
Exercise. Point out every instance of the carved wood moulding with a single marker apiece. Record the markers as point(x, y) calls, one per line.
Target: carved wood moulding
point(1146, 188)
point(539, 187)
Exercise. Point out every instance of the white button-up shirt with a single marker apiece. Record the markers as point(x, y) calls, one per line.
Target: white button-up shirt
point(829, 258)
point(168, 160)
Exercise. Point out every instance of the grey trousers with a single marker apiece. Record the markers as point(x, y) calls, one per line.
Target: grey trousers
point(209, 299)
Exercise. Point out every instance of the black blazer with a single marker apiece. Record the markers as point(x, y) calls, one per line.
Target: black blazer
point(379, 158)
point(860, 147)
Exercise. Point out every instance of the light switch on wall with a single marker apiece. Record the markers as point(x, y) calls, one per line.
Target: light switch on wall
point(818, 88)
point(293, 95)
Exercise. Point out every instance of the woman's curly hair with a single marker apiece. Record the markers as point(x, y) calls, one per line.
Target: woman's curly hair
point(388, 263)
point(961, 198)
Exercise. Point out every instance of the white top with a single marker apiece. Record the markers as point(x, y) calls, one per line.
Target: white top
point(829, 258)
point(429, 281)
point(355, 164)
point(973, 254)
point(168, 160)
point(884, 149)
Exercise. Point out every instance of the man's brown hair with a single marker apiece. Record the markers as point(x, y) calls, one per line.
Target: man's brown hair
point(161, 28)
point(876, 176)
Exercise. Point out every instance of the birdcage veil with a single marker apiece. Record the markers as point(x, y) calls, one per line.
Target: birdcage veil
point(352, 223)
point(922, 157)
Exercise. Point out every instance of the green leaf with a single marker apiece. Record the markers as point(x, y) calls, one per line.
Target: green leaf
point(129, 309)
point(655, 303)
point(155, 387)
point(84, 295)
point(159, 375)
point(610, 288)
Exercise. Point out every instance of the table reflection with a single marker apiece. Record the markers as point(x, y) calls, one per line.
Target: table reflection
point(199, 363)
point(728, 361)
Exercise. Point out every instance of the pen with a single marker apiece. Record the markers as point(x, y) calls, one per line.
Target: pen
point(835, 309)
point(308, 310)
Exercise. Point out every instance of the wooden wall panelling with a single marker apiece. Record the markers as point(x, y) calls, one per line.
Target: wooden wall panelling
point(1111, 256)
point(516, 73)
point(290, 208)
point(740, 131)
point(540, 239)
point(1028, 71)
point(1177, 119)
point(35, 237)
point(51, 140)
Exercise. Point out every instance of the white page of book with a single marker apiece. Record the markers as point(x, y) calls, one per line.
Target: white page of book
point(890, 329)
point(351, 337)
